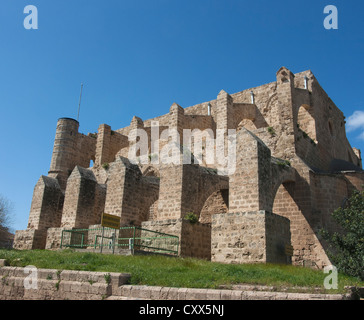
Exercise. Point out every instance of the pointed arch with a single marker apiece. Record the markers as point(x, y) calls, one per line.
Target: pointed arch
point(216, 203)
point(306, 121)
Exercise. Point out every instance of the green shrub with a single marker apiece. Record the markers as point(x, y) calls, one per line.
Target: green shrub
point(106, 166)
point(107, 278)
point(284, 164)
point(347, 246)
point(271, 131)
point(191, 217)
point(93, 135)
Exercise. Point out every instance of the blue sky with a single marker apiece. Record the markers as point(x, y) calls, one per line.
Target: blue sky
point(138, 57)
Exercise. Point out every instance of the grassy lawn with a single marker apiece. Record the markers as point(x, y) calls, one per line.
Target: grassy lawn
point(179, 272)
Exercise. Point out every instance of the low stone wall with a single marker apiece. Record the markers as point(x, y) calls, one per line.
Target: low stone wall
point(249, 237)
point(170, 293)
point(16, 284)
point(84, 285)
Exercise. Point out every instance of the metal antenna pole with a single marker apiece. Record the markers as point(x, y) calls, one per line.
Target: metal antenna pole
point(79, 103)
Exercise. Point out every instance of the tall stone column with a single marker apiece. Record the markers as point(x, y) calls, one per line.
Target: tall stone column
point(64, 150)
point(46, 207)
point(249, 186)
point(80, 198)
point(122, 198)
point(170, 192)
point(45, 212)
point(285, 128)
point(176, 122)
point(224, 121)
point(103, 145)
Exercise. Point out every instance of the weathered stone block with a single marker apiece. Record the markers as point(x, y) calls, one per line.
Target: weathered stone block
point(4, 262)
point(30, 239)
point(249, 237)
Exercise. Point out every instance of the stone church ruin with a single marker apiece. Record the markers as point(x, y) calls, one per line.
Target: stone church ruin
point(291, 167)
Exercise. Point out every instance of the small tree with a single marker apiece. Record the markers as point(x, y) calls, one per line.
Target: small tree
point(347, 246)
point(5, 218)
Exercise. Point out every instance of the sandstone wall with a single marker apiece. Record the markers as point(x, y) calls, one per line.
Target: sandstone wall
point(249, 237)
point(186, 188)
point(47, 204)
point(30, 239)
point(129, 194)
point(82, 200)
point(109, 142)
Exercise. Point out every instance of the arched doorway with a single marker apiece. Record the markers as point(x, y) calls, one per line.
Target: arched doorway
point(152, 174)
point(217, 202)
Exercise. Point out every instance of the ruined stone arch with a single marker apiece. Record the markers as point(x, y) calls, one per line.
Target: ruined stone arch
point(281, 174)
point(285, 204)
point(214, 199)
point(244, 114)
point(248, 117)
point(216, 203)
point(306, 121)
point(153, 210)
point(247, 124)
point(270, 112)
point(152, 173)
point(272, 99)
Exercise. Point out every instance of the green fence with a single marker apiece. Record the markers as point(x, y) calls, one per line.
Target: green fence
point(130, 238)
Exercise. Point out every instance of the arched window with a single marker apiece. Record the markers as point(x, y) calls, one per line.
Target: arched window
point(217, 202)
point(306, 121)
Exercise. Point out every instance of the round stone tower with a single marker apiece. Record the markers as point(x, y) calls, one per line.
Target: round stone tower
point(64, 150)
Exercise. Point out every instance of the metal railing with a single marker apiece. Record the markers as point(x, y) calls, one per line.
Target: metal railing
point(130, 238)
